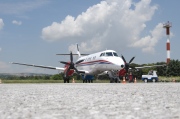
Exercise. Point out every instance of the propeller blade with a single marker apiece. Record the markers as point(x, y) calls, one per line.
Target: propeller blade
point(127, 67)
point(76, 70)
point(123, 58)
point(64, 62)
point(71, 65)
point(71, 57)
point(79, 61)
point(131, 60)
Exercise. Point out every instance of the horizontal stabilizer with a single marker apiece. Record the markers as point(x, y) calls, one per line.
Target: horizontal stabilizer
point(72, 54)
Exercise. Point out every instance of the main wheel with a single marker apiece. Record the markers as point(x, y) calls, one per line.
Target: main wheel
point(67, 80)
point(111, 80)
point(64, 79)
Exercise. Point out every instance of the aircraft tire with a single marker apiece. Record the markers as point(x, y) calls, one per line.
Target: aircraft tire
point(66, 80)
point(111, 80)
point(116, 80)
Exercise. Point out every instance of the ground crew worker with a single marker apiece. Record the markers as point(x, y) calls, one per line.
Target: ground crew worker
point(131, 77)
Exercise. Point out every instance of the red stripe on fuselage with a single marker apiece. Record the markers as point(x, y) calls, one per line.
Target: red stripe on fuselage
point(95, 61)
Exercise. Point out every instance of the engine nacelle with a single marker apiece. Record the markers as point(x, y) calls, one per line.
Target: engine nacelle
point(70, 72)
point(122, 72)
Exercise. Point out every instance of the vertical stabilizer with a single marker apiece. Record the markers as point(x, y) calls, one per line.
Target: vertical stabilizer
point(79, 54)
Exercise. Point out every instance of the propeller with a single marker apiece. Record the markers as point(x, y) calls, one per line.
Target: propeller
point(71, 64)
point(127, 65)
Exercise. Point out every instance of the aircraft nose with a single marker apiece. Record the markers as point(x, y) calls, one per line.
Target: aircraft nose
point(120, 63)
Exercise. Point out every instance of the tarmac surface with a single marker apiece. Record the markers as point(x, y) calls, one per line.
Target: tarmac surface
point(90, 101)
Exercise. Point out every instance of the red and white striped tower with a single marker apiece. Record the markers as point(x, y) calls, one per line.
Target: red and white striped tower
point(167, 26)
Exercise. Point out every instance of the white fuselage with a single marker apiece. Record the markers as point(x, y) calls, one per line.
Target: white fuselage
point(99, 62)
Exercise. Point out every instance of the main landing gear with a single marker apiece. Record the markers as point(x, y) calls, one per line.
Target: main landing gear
point(66, 80)
point(114, 80)
point(87, 80)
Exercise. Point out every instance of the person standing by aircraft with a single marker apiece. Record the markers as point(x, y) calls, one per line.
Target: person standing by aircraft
point(131, 77)
point(122, 74)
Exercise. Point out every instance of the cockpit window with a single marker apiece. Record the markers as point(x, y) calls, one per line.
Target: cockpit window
point(102, 54)
point(115, 54)
point(109, 54)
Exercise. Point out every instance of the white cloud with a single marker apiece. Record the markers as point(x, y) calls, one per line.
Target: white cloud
point(1, 23)
point(0, 49)
point(147, 43)
point(16, 22)
point(111, 23)
point(68, 27)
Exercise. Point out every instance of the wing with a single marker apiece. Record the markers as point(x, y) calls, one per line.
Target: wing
point(40, 66)
point(103, 73)
point(83, 72)
point(150, 66)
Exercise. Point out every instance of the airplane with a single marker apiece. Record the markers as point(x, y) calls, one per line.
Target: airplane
point(88, 65)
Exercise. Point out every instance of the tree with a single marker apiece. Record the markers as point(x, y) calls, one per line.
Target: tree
point(46, 77)
point(56, 77)
point(172, 69)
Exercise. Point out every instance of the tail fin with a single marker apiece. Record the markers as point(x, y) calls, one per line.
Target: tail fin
point(79, 54)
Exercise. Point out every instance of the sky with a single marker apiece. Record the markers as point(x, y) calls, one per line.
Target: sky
point(35, 31)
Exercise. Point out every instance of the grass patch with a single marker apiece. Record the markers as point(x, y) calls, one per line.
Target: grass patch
point(32, 81)
point(169, 79)
point(161, 79)
point(49, 81)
